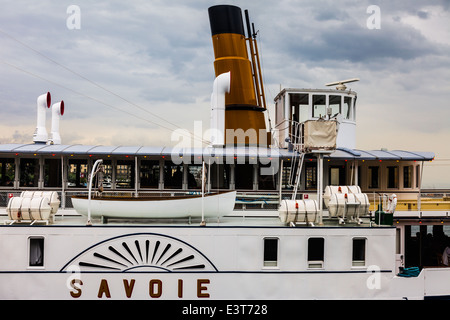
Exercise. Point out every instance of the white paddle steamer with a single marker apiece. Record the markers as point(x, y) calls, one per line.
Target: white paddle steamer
point(305, 215)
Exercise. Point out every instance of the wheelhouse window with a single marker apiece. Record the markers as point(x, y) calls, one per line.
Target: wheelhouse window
point(346, 108)
point(29, 172)
point(36, 252)
point(316, 252)
point(300, 106)
point(319, 105)
point(374, 177)
point(335, 104)
point(392, 172)
point(359, 252)
point(270, 252)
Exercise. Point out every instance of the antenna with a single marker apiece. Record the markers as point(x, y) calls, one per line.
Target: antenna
point(340, 84)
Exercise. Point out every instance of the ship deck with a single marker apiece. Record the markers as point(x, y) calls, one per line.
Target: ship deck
point(238, 218)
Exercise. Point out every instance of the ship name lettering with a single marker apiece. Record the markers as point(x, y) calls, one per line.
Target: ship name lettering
point(75, 284)
point(155, 288)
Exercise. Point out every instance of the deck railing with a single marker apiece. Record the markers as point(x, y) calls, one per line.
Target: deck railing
point(247, 200)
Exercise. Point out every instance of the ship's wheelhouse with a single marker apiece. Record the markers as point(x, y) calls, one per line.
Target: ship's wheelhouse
point(299, 105)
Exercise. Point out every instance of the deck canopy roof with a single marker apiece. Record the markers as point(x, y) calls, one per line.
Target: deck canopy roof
point(100, 150)
point(356, 154)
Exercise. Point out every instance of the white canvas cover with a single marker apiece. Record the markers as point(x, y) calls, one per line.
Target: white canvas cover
point(319, 135)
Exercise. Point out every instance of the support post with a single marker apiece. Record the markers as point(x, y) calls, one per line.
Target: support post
point(280, 181)
point(320, 185)
point(99, 161)
point(419, 200)
point(136, 177)
point(203, 223)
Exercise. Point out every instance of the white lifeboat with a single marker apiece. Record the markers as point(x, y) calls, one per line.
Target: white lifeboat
point(298, 211)
point(346, 202)
point(33, 206)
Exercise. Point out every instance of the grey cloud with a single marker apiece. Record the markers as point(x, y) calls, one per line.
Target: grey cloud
point(329, 13)
point(423, 14)
point(355, 42)
point(159, 53)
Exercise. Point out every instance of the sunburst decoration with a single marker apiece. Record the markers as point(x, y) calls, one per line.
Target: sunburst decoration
point(142, 252)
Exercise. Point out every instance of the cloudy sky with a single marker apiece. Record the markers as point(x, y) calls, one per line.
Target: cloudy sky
point(133, 71)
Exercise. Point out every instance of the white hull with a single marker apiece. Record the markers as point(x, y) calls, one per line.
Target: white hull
point(215, 205)
point(212, 262)
point(223, 286)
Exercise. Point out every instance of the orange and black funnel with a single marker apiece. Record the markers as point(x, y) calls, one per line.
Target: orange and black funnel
point(230, 50)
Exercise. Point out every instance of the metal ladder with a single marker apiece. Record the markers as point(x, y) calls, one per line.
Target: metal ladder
point(299, 156)
point(298, 175)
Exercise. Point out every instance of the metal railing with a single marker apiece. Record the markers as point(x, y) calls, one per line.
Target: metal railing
point(244, 200)
point(429, 200)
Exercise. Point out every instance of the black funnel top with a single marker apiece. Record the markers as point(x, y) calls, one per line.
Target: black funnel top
point(226, 19)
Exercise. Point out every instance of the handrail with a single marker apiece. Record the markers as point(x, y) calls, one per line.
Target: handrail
point(93, 172)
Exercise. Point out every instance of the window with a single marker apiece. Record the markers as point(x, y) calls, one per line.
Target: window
point(359, 252)
point(299, 106)
point(219, 176)
point(125, 174)
point(52, 173)
point(373, 177)
point(417, 176)
point(311, 176)
point(173, 176)
point(392, 177)
point(304, 112)
point(7, 172)
point(36, 254)
point(335, 104)
point(337, 175)
point(334, 176)
point(149, 173)
point(270, 252)
point(319, 106)
point(195, 176)
point(315, 252)
point(29, 172)
point(423, 243)
point(347, 107)
point(107, 173)
point(407, 177)
point(279, 110)
point(266, 181)
point(78, 173)
point(243, 176)
point(398, 240)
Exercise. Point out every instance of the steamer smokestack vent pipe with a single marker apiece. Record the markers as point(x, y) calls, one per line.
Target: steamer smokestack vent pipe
point(57, 112)
point(43, 102)
point(221, 86)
